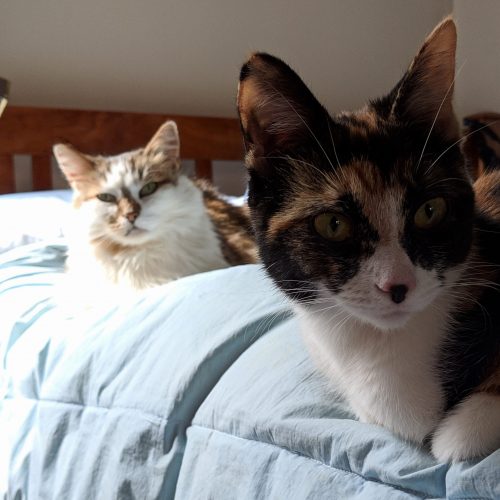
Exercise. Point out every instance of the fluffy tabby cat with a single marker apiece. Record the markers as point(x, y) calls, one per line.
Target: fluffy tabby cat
point(140, 222)
point(367, 220)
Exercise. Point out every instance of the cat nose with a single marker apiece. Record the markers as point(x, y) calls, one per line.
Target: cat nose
point(398, 293)
point(132, 216)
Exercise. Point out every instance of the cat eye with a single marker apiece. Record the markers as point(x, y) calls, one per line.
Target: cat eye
point(431, 213)
point(148, 189)
point(333, 227)
point(106, 197)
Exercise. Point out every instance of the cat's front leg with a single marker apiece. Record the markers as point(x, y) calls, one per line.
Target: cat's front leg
point(408, 407)
point(408, 423)
point(472, 429)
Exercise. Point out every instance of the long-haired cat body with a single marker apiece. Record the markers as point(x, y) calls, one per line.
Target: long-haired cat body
point(140, 222)
point(367, 221)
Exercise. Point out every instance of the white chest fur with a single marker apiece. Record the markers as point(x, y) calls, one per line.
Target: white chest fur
point(388, 378)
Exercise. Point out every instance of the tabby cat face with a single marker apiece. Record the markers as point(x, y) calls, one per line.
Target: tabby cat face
point(369, 211)
point(124, 198)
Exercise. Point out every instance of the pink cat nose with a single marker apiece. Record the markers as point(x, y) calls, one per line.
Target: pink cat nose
point(132, 216)
point(397, 291)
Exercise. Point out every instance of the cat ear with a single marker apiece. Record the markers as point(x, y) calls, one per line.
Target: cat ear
point(165, 142)
point(277, 111)
point(76, 167)
point(425, 93)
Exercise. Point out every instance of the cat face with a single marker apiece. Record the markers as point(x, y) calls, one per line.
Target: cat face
point(369, 212)
point(124, 198)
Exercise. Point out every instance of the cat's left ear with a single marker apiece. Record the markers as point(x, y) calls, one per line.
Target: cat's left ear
point(425, 93)
point(165, 143)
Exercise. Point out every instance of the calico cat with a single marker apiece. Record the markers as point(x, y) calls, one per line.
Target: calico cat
point(139, 222)
point(367, 220)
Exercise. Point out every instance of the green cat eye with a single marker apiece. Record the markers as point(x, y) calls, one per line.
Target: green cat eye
point(333, 226)
point(148, 189)
point(430, 213)
point(106, 197)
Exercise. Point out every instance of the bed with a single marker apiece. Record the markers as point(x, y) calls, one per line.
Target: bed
point(198, 389)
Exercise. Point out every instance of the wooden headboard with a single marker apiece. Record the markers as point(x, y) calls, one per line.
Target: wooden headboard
point(33, 131)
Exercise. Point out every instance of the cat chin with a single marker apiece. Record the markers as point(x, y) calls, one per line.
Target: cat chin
point(388, 322)
point(383, 321)
point(130, 237)
point(135, 232)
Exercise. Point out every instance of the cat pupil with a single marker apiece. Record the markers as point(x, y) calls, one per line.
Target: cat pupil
point(334, 224)
point(429, 210)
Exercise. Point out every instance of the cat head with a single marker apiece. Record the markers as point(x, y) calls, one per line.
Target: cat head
point(123, 197)
point(369, 210)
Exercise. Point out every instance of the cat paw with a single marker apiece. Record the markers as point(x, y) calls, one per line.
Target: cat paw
point(471, 430)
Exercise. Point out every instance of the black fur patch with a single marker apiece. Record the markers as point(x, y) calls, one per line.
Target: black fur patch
point(447, 244)
point(472, 348)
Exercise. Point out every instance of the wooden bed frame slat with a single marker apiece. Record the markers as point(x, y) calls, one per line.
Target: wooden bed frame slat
point(203, 168)
point(41, 172)
point(7, 177)
point(33, 131)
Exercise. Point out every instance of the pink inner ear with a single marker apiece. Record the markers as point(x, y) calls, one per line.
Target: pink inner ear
point(166, 141)
point(75, 166)
point(73, 175)
point(268, 116)
point(78, 173)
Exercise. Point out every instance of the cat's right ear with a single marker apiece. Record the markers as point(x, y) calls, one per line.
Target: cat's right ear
point(76, 167)
point(165, 143)
point(278, 113)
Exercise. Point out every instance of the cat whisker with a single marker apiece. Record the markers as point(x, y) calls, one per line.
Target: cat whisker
point(265, 325)
point(304, 123)
point(290, 160)
point(333, 142)
point(457, 142)
point(458, 179)
point(437, 114)
point(342, 323)
point(478, 282)
point(485, 267)
point(486, 231)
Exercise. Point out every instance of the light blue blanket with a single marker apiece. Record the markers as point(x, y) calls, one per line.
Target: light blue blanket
point(199, 389)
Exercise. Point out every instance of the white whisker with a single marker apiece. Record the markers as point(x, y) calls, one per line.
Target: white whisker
point(437, 114)
point(456, 142)
point(305, 124)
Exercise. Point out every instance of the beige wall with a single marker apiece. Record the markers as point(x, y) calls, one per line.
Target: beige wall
point(183, 56)
point(478, 82)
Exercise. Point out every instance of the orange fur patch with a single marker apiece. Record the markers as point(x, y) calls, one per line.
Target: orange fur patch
point(487, 191)
point(361, 179)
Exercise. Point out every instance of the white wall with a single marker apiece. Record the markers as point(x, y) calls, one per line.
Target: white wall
point(478, 83)
point(183, 56)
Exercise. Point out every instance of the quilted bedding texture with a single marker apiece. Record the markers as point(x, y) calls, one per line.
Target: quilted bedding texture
point(199, 389)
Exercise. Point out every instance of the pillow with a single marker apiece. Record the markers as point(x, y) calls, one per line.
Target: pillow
point(32, 217)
